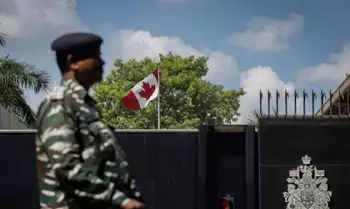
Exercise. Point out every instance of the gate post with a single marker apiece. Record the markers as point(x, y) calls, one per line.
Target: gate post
point(202, 180)
point(251, 167)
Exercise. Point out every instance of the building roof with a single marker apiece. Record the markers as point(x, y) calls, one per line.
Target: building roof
point(7, 121)
point(341, 89)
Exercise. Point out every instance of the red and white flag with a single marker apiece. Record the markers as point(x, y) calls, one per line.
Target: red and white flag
point(143, 92)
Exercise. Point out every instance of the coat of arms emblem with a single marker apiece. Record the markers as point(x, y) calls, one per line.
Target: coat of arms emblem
point(307, 187)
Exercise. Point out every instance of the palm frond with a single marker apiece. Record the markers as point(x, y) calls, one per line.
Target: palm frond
point(24, 75)
point(14, 77)
point(253, 116)
point(3, 39)
point(12, 99)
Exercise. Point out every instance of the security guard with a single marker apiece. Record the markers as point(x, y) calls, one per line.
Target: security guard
point(80, 164)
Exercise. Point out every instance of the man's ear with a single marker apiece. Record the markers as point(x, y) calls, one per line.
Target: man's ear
point(71, 64)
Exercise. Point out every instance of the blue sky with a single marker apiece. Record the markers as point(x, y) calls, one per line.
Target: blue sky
point(209, 23)
point(267, 44)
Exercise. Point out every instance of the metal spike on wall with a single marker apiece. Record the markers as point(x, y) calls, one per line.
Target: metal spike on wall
point(296, 96)
point(268, 102)
point(260, 100)
point(330, 101)
point(347, 102)
point(323, 97)
point(305, 96)
point(286, 96)
point(341, 96)
point(277, 98)
point(337, 103)
point(314, 97)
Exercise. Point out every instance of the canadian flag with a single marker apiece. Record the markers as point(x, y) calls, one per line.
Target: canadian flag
point(143, 92)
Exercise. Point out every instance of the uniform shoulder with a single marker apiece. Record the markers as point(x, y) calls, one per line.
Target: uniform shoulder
point(53, 99)
point(58, 97)
point(63, 94)
point(57, 106)
point(69, 97)
point(57, 93)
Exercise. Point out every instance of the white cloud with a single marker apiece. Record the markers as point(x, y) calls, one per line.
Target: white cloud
point(264, 79)
point(329, 73)
point(266, 34)
point(31, 26)
point(222, 68)
point(24, 18)
point(140, 44)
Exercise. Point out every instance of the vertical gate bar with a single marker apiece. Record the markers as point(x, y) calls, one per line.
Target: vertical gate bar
point(202, 167)
point(207, 194)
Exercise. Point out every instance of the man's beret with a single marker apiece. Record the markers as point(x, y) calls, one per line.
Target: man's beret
point(76, 41)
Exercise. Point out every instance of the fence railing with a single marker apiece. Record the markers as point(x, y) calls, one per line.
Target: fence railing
point(330, 104)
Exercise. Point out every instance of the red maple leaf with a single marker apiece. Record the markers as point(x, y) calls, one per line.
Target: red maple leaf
point(147, 91)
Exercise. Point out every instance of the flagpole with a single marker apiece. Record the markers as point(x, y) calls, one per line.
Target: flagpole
point(158, 106)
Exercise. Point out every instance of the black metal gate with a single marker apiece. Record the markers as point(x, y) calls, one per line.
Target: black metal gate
point(175, 169)
point(231, 166)
point(283, 143)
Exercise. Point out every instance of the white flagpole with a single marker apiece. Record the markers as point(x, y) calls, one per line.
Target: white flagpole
point(158, 106)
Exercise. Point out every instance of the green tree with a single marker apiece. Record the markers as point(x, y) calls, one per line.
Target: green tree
point(186, 100)
point(15, 77)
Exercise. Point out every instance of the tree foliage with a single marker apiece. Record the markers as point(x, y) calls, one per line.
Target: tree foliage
point(15, 77)
point(186, 100)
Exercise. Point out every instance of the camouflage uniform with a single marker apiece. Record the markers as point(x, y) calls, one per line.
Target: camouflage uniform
point(79, 162)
